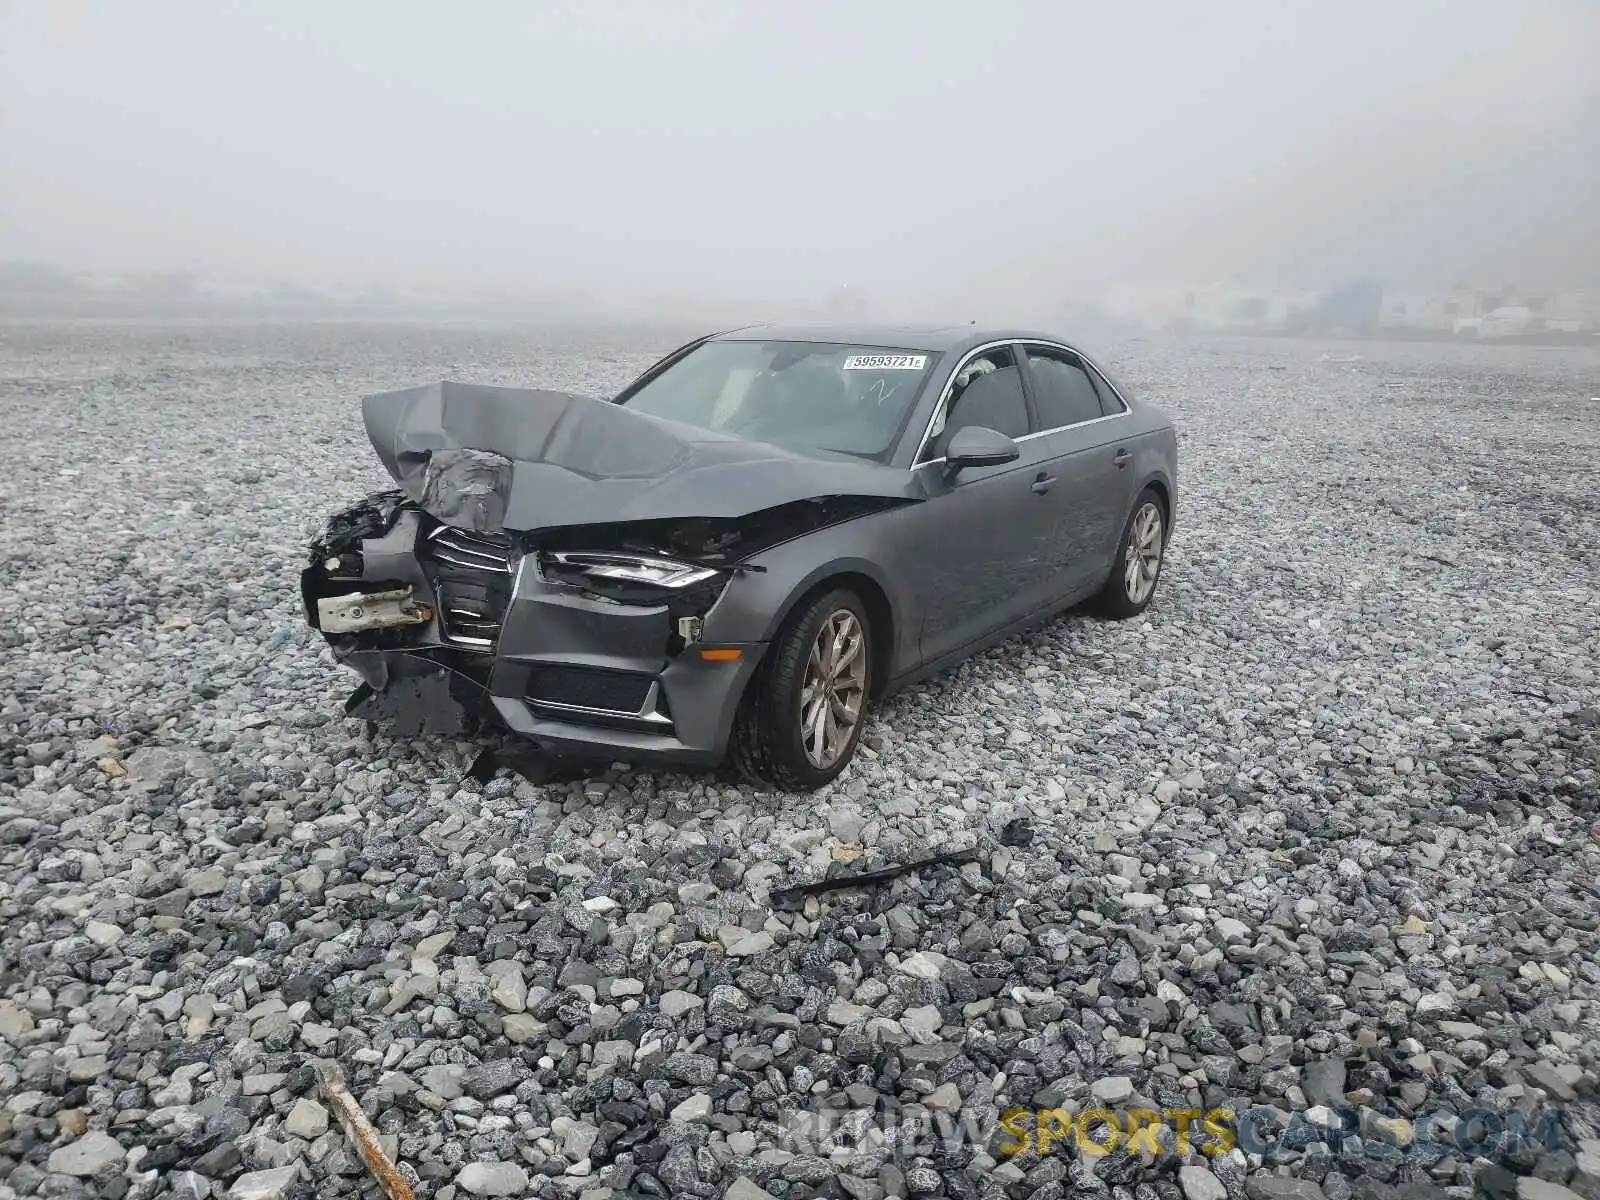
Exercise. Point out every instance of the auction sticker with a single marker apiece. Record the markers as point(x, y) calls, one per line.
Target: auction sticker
point(885, 362)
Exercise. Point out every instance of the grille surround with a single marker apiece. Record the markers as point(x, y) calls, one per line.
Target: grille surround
point(472, 576)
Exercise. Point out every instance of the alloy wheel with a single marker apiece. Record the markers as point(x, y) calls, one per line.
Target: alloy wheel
point(1143, 562)
point(834, 689)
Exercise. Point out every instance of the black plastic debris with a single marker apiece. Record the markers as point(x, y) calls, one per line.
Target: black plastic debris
point(794, 895)
point(372, 517)
point(534, 766)
point(1018, 832)
point(418, 704)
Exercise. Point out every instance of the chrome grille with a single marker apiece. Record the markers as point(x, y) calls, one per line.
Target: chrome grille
point(472, 575)
point(479, 551)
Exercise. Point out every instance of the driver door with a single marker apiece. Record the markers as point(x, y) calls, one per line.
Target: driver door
point(972, 564)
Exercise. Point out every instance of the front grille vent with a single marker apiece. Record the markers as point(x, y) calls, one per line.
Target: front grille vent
point(472, 583)
point(619, 692)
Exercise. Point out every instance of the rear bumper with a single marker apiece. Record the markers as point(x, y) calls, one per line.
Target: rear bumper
point(574, 674)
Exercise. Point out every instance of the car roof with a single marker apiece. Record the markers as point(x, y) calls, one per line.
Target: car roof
point(932, 338)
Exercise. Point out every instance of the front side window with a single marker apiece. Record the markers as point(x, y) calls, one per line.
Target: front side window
point(987, 391)
point(1062, 390)
point(821, 399)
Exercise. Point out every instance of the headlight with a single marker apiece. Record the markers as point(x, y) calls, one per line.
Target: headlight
point(625, 568)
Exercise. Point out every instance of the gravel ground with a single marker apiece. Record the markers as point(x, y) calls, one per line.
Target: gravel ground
point(1318, 834)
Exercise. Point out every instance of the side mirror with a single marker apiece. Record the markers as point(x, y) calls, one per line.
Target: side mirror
point(977, 446)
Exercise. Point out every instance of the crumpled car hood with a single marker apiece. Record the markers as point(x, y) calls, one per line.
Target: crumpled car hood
point(483, 458)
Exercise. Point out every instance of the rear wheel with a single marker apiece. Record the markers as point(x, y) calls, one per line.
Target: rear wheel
point(801, 721)
point(1131, 584)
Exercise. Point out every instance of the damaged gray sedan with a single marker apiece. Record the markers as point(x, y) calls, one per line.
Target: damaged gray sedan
point(766, 531)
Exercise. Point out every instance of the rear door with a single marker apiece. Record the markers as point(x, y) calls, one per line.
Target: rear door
point(973, 562)
point(1083, 441)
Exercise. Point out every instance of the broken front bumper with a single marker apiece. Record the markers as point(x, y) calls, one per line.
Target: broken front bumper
point(447, 628)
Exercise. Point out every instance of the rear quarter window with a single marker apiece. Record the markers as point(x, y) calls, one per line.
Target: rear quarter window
point(1110, 401)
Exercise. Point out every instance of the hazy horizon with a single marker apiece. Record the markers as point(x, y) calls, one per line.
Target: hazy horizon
point(923, 154)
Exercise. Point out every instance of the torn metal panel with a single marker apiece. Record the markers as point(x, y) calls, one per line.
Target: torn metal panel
point(467, 488)
point(365, 548)
point(573, 457)
point(358, 612)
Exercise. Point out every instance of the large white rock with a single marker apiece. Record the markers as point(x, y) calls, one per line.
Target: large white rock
point(743, 1189)
point(924, 964)
point(1198, 1183)
point(507, 988)
point(14, 1022)
point(694, 1110)
point(676, 1003)
point(89, 1155)
point(1231, 930)
point(751, 944)
point(1113, 1089)
point(265, 1185)
point(1531, 1187)
point(307, 1119)
point(492, 1179)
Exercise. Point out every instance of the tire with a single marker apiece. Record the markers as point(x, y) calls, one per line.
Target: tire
point(770, 742)
point(1120, 597)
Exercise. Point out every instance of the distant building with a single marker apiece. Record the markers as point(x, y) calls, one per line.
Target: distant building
point(1404, 308)
point(1209, 308)
point(1356, 306)
point(1509, 320)
point(1573, 312)
point(166, 285)
point(1510, 312)
point(1352, 306)
point(1458, 304)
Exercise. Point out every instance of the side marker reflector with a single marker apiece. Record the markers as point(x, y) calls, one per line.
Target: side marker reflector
point(722, 655)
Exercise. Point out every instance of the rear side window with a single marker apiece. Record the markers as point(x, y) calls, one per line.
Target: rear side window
point(1062, 390)
point(987, 391)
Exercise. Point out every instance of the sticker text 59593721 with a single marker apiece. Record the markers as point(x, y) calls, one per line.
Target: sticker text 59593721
point(885, 362)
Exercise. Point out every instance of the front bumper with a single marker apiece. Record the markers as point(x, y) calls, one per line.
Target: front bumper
point(575, 674)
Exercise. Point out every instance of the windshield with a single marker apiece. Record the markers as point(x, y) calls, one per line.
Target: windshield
point(821, 399)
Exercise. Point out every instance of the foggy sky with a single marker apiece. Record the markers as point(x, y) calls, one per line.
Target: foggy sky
point(916, 150)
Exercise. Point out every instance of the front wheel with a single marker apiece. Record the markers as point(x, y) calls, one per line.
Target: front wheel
point(1131, 584)
point(802, 719)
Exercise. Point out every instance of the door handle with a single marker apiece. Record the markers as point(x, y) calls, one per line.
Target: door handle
point(1042, 482)
point(1122, 458)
